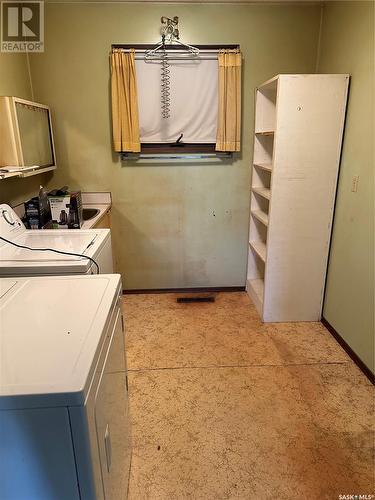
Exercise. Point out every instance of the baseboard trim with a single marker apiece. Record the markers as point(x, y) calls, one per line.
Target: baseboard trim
point(187, 290)
point(361, 365)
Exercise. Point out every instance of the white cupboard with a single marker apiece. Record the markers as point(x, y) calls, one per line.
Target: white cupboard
point(299, 122)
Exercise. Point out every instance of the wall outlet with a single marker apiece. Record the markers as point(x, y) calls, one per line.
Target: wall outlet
point(355, 181)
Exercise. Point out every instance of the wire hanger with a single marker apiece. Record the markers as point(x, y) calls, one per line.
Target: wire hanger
point(169, 35)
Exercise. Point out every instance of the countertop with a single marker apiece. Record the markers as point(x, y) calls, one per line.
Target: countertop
point(100, 200)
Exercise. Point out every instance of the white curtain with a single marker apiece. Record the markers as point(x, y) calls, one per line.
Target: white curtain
point(193, 101)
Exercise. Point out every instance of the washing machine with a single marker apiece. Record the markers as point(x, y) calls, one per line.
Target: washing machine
point(91, 249)
point(64, 420)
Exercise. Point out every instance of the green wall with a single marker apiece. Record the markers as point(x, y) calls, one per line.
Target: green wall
point(14, 76)
point(347, 46)
point(165, 234)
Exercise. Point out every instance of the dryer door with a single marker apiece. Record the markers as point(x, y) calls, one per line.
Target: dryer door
point(112, 418)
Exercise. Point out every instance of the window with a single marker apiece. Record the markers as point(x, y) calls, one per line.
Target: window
point(193, 101)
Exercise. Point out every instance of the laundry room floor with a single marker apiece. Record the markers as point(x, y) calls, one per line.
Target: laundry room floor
point(225, 407)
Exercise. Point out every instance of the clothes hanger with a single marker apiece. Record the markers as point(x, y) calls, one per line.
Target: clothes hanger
point(191, 49)
point(170, 33)
point(160, 51)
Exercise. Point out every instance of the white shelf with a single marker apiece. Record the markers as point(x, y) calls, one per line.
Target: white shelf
point(264, 166)
point(255, 288)
point(259, 248)
point(264, 192)
point(261, 216)
point(270, 84)
point(297, 105)
point(265, 132)
point(7, 175)
point(27, 173)
point(37, 171)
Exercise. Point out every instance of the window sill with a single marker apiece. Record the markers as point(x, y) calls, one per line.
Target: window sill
point(182, 148)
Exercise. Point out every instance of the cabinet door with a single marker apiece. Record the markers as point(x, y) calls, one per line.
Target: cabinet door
point(112, 418)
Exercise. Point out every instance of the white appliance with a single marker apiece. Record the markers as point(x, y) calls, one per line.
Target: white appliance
point(94, 243)
point(64, 424)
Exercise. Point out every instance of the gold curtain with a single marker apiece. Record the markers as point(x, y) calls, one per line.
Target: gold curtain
point(125, 121)
point(228, 136)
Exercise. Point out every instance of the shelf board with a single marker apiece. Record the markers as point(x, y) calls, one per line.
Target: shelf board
point(7, 175)
point(27, 172)
point(36, 171)
point(271, 83)
point(255, 288)
point(264, 166)
point(265, 132)
point(261, 216)
point(259, 248)
point(264, 192)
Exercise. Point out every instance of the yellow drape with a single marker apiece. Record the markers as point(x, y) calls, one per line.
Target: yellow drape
point(228, 137)
point(125, 121)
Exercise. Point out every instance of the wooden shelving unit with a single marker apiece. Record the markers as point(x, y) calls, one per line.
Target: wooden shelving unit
point(265, 192)
point(259, 248)
point(264, 166)
point(299, 121)
point(261, 216)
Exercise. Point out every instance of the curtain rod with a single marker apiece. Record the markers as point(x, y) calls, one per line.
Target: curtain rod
point(176, 156)
point(177, 55)
point(204, 54)
point(147, 46)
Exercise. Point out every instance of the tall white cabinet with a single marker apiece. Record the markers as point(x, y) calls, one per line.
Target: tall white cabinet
point(299, 122)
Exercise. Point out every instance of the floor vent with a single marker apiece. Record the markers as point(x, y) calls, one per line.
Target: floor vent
point(195, 299)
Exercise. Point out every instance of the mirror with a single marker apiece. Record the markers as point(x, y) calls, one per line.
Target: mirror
point(35, 135)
